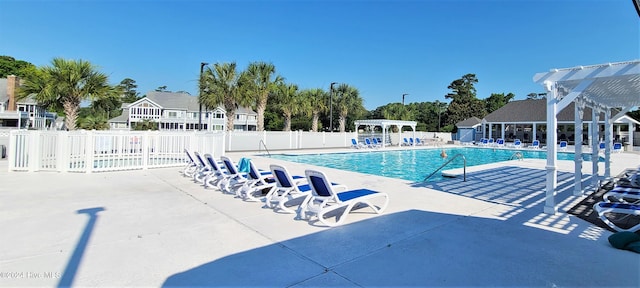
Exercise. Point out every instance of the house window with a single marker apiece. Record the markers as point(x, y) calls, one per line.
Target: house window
point(172, 114)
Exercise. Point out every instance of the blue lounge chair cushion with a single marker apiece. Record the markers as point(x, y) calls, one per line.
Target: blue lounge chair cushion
point(625, 240)
point(619, 205)
point(348, 195)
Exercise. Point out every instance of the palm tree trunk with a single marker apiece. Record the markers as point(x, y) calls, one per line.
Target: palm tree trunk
point(262, 105)
point(71, 111)
point(230, 119)
point(314, 124)
point(342, 120)
point(287, 122)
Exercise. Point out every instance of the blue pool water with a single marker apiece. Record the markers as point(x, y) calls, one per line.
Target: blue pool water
point(415, 164)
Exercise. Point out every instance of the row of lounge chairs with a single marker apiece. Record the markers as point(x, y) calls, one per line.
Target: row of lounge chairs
point(409, 142)
point(368, 143)
point(621, 202)
point(316, 197)
point(489, 142)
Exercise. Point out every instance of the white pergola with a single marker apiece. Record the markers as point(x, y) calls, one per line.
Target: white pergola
point(600, 87)
point(384, 123)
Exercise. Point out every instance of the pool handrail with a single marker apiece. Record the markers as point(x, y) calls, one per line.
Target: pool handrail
point(265, 148)
point(464, 168)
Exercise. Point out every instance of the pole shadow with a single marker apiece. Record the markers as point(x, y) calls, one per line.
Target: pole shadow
point(76, 258)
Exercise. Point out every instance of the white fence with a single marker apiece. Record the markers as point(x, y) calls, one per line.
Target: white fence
point(98, 151)
point(290, 140)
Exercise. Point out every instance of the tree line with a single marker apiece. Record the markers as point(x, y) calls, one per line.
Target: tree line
point(280, 105)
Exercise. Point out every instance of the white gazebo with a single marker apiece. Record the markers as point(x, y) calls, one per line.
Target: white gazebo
point(599, 87)
point(384, 123)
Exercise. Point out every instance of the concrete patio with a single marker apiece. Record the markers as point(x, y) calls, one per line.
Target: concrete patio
point(157, 228)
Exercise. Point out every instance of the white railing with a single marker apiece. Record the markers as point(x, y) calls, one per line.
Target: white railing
point(98, 151)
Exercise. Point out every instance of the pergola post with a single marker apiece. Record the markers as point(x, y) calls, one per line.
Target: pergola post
point(595, 139)
point(552, 175)
point(578, 116)
point(608, 133)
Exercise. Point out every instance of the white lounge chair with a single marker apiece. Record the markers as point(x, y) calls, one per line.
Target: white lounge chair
point(235, 178)
point(191, 167)
point(369, 144)
point(617, 147)
point(535, 145)
point(287, 189)
point(257, 181)
point(517, 143)
point(355, 144)
point(202, 171)
point(327, 198)
point(562, 146)
point(217, 175)
point(376, 144)
point(604, 209)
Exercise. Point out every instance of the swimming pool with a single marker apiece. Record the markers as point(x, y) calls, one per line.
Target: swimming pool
point(414, 164)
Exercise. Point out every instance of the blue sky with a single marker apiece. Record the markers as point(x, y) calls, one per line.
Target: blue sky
point(383, 48)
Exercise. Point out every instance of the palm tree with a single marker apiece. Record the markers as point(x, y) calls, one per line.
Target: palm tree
point(289, 102)
point(66, 83)
point(220, 86)
point(258, 83)
point(93, 122)
point(348, 99)
point(314, 102)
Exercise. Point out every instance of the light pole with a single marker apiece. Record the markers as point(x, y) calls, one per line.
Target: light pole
point(331, 106)
point(202, 64)
point(405, 94)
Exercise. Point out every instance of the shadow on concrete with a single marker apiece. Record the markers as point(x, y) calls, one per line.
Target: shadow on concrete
point(66, 280)
point(422, 249)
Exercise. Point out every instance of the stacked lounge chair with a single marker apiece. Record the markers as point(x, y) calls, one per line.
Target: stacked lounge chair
point(623, 200)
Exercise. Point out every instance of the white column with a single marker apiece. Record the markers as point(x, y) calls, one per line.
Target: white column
point(577, 184)
point(552, 175)
point(594, 145)
point(608, 135)
point(484, 130)
point(534, 129)
point(632, 128)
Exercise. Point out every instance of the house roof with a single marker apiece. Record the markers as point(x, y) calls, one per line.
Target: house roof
point(530, 111)
point(174, 100)
point(183, 101)
point(469, 123)
point(123, 118)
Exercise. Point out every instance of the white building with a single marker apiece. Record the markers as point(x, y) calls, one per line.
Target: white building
point(180, 111)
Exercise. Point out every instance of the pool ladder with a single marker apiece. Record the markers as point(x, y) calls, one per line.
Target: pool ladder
point(517, 155)
point(265, 148)
point(464, 168)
